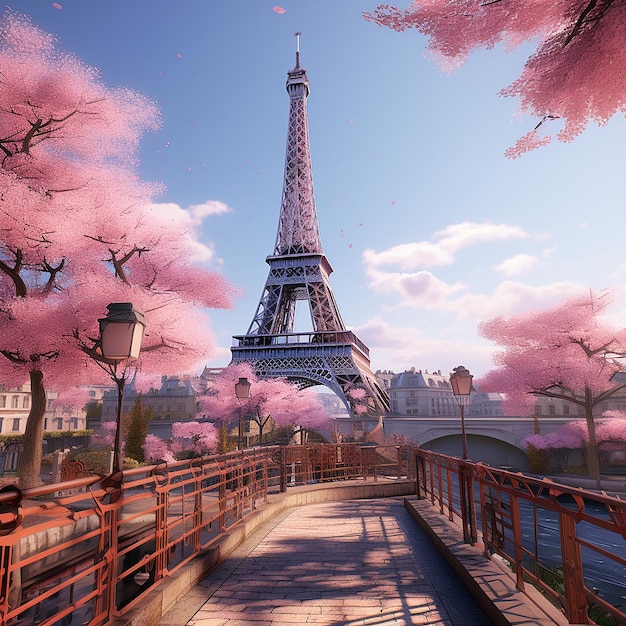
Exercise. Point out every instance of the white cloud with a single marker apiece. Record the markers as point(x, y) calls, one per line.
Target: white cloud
point(516, 265)
point(423, 290)
point(443, 246)
point(399, 348)
point(389, 274)
point(210, 207)
point(190, 219)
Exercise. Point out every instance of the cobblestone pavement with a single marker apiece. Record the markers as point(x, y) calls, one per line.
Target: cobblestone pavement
point(338, 563)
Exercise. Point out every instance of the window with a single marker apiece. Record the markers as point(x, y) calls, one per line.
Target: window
point(16, 425)
point(552, 409)
point(15, 402)
point(1, 424)
point(60, 423)
point(3, 402)
point(50, 401)
point(92, 393)
point(26, 402)
point(566, 409)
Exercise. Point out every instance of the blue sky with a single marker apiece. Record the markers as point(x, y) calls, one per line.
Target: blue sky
point(429, 228)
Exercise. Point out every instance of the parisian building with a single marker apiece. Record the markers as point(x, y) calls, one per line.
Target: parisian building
point(15, 406)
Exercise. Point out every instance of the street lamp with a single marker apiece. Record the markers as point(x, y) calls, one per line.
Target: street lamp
point(461, 381)
point(242, 391)
point(121, 332)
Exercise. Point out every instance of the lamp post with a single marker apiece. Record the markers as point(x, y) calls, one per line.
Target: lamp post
point(461, 381)
point(242, 391)
point(121, 332)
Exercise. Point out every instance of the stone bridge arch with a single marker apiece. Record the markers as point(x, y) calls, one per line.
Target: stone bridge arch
point(491, 448)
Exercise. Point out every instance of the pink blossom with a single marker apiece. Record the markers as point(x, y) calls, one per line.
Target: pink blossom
point(70, 156)
point(272, 397)
point(574, 72)
point(557, 353)
point(156, 449)
point(200, 437)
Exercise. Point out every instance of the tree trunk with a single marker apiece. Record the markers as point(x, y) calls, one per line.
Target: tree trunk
point(593, 459)
point(29, 467)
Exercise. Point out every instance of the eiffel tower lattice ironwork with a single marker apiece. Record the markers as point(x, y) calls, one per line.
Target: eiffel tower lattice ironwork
point(330, 354)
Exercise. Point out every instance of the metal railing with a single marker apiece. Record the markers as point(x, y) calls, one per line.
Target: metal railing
point(570, 543)
point(88, 550)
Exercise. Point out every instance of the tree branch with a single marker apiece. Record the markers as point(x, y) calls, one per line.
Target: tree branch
point(583, 17)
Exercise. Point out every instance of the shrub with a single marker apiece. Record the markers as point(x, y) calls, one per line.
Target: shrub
point(538, 460)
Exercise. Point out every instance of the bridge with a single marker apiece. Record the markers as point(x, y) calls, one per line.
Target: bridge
point(495, 439)
point(125, 549)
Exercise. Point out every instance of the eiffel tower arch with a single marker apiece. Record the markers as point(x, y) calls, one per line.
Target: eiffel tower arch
point(329, 354)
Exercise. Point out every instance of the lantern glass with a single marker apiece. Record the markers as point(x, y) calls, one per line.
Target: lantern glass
point(461, 381)
point(242, 389)
point(121, 331)
point(121, 340)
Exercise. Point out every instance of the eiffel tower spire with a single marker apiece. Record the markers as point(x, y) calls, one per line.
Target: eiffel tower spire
point(297, 229)
point(299, 271)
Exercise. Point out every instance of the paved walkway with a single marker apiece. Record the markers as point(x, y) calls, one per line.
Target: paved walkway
point(338, 563)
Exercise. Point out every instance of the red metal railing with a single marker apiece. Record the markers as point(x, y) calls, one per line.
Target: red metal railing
point(87, 550)
point(570, 543)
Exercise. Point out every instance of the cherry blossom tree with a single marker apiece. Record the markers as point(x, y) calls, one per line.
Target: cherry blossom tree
point(270, 399)
point(358, 397)
point(575, 73)
point(568, 352)
point(611, 428)
point(78, 230)
point(156, 449)
point(200, 438)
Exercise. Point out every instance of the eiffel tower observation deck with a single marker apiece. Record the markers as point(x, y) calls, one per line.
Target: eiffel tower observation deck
point(328, 354)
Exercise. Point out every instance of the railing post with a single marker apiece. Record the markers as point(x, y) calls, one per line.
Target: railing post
point(573, 579)
point(283, 469)
point(450, 495)
point(419, 473)
point(400, 451)
point(374, 457)
point(517, 542)
point(468, 516)
point(472, 506)
point(440, 488)
point(222, 500)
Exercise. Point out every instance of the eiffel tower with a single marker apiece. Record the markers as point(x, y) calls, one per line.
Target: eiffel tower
point(330, 354)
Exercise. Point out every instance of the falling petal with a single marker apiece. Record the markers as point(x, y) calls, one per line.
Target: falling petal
point(56, 5)
point(180, 56)
point(278, 9)
point(360, 224)
point(393, 202)
point(349, 245)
